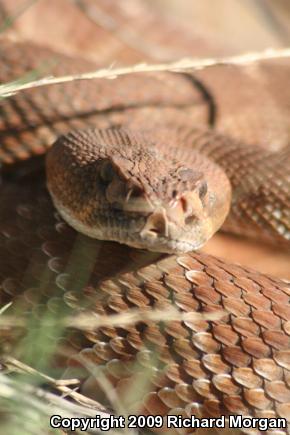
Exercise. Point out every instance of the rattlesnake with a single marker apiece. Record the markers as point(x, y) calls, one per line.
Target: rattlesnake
point(237, 363)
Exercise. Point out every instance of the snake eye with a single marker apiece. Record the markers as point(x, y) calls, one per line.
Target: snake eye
point(202, 190)
point(186, 174)
point(106, 172)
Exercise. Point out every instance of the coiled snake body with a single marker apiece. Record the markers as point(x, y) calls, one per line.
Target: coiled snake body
point(237, 363)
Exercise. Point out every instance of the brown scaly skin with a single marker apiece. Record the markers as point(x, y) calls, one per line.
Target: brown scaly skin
point(236, 364)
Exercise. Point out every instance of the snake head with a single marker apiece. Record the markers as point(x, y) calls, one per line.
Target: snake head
point(120, 185)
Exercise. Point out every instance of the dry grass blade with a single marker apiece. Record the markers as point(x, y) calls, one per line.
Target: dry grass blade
point(91, 321)
point(5, 308)
point(12, 88)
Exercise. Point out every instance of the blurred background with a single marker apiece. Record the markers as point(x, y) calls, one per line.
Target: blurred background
point(222, 26)
point(115, 32)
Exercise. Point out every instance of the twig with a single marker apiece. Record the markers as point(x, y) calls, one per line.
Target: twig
point(46, 403)
point(12, 88)
point(82, 405)
point(61, 385)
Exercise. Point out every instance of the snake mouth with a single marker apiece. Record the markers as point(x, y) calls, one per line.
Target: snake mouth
point(132, 234)
point(166, 245)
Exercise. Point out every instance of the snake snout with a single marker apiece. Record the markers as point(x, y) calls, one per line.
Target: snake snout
point(156, 225)
point(179, 226)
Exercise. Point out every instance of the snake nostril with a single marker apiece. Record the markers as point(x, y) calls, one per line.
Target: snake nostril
point(154, 230)
point(186, 205)
point(156, 225)
point(187, 210)
point(134, 191)
point(190, 220)
point(192, 207)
